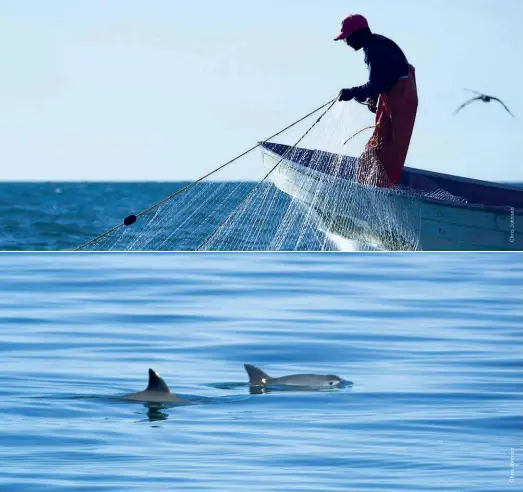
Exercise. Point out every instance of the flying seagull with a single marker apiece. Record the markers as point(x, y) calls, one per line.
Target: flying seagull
point(484, 98)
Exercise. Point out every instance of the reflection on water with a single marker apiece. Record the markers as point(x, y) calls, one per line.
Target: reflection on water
point(154, 412)
point(262, 390)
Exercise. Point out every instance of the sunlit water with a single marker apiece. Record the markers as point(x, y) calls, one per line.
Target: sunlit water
point(432, 344)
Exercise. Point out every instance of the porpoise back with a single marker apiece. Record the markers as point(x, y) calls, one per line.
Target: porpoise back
point(157, 391)
point(257, 377)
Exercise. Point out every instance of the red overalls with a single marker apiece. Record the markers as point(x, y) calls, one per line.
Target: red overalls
point(383, 159)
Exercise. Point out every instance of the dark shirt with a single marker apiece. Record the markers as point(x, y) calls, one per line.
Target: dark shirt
point(387, 64)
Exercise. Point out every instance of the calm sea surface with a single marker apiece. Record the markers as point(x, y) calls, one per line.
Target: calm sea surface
point(62, 216)
point(432, 345)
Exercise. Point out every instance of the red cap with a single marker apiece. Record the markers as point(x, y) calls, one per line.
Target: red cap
point(350, 24)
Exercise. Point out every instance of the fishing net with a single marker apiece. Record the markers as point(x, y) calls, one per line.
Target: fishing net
point(308, 197)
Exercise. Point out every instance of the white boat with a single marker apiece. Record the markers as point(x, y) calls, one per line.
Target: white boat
point(427, 211)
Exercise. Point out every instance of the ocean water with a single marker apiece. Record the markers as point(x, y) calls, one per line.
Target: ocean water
point(430, 342)
point(57, 216)
point(62, 216)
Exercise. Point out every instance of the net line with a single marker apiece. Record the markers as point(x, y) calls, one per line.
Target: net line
point(306, 201)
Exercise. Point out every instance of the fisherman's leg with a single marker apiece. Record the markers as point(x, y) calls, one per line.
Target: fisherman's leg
point(371, 170)
point(383, 145)
point(404, 105)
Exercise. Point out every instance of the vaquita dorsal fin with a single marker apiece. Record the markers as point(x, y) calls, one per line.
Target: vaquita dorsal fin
point(156, 383)
point(256, 376)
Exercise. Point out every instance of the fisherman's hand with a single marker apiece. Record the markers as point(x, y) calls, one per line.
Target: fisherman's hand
point(371, 104)
point(346, 95)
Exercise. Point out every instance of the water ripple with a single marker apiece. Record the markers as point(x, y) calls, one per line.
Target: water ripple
point(431, 343)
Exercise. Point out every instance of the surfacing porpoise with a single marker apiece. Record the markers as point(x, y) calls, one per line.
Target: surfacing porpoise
point(156, 392)
point(317, 381)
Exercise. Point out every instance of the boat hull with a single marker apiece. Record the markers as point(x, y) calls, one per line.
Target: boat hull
point(394, 219)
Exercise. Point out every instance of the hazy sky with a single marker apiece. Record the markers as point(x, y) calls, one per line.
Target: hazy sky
point(168, 89)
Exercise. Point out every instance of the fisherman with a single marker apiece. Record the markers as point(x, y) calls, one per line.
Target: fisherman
point(391, 94)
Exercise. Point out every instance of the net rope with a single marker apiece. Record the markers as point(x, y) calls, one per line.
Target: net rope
point(307, 200)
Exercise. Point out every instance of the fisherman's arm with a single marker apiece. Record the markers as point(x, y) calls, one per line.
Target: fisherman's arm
point(378, 79)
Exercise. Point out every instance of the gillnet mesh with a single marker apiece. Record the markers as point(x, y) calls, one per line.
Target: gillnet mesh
point(305, 200)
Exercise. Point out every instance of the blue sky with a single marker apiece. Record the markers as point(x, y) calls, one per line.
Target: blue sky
point(168, 90)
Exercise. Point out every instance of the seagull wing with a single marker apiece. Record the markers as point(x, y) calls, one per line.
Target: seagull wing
point(466, 104)
point(503, 104)
point(475, 92)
